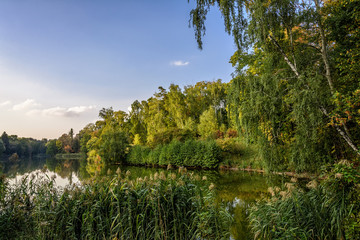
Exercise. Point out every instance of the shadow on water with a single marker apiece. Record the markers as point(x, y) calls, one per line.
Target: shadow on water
point(238, 190)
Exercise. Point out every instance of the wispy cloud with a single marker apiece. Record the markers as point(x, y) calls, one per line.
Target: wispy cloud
point(61, 111)
point(179, 63)
point(6, 103)
point(29, 103)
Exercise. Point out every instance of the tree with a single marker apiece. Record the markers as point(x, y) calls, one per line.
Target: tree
point(5, 140)
point(284, 83)
point(175, 106)
point(137, 122)
point(208, 123)
point(2, 147)
point(51, 148)
point(113, 144)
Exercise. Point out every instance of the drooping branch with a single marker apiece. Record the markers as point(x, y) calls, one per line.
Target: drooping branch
point(345, 135)
point(342, 133)
point(291, 65)
point(324, 53)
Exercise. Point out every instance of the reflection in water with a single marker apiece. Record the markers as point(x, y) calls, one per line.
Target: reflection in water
point(238, 190)
point(64, 171)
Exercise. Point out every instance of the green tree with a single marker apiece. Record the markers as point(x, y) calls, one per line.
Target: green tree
point(2, 147)
point(137, 121)
point(175, 106)
point(113, 144)
point(284, 85)
point(5, 140)
point(51, 148)
point(156, 116)
point(208, 123)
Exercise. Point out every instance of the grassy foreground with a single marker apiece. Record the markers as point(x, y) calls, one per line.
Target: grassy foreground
point(158, 207)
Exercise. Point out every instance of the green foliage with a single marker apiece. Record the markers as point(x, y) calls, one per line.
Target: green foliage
point(138, 155)
point(191, 153)
point(2, 147)
point(51, 148)
point(327, 211)
point(23, 147)
point(208, 123)
point(113, 144)
point(282, 96)
point(157, 207)
point(171, 134)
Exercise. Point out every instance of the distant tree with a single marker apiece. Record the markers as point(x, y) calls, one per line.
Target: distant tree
point(76, 144)
point(71, 134)
point(2, 147)
point(5, 140)
point(64, 143)
point(51, 148)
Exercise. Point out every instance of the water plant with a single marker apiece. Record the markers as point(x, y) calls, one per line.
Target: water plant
point(328, 210)
point(162, 206)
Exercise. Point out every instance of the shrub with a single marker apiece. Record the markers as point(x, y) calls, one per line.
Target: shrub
point(138, 155)
point(191, 153)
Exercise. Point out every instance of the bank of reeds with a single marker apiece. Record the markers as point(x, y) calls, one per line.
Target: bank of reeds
point(329, 210)
point(191, 153)
point(156, 207)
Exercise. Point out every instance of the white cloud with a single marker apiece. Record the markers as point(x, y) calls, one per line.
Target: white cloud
point(179, 63)
point(3, 104)
point(62, 112)
point(29, 103)
point(76, 111)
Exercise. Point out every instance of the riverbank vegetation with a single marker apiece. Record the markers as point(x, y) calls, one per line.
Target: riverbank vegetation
point(156, 207)
point(296, 93)
point(13, 147)
point(295, 96)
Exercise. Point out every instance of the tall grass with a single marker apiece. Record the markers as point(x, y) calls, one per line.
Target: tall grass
point(329, 210)
point(156, 207)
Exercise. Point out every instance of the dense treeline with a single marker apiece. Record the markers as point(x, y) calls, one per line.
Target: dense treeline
point(172, 122)
point(16, 147)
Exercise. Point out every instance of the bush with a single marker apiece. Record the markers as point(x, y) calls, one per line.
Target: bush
point(192, 153)
point(138, 155)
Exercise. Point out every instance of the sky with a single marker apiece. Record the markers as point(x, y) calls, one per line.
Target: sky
point(61, 61)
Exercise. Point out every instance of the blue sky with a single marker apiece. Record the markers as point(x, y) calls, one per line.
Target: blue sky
point(61, 61)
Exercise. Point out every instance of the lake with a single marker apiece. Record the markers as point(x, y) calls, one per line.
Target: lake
point(236, 188)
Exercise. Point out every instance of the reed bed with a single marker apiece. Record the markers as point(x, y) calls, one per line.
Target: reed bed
point(157, 207)
point(294, 213)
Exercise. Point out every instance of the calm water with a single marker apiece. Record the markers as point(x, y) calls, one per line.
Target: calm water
point(237, 189)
